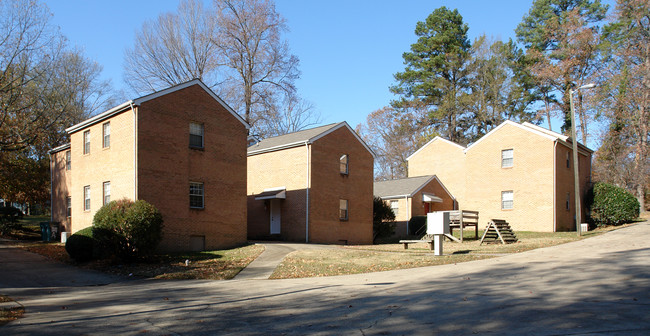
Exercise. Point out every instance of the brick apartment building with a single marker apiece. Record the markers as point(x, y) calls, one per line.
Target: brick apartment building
point(413, 196)
point(522, 173)
point(311, 186)
point(182, 149)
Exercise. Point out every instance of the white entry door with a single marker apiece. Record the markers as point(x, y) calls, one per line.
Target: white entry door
point(275, 216)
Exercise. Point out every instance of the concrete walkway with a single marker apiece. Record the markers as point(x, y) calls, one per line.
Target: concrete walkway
point(597, 286)
point(274, 252)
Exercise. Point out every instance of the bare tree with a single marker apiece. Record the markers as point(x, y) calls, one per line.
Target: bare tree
point(394, 134)
point(173, 49)
point(292, 115)
point(235, 47)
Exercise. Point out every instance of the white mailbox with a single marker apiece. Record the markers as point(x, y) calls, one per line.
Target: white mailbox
point(438, 222)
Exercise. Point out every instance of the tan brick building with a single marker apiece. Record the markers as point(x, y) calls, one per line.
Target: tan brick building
point(522, 173)
point(311, 186)
point(181, 149)
point(413, 196)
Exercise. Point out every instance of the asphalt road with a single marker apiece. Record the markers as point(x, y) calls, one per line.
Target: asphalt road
point(597, 286)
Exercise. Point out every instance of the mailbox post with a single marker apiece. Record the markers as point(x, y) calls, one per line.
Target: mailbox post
point(438, 226)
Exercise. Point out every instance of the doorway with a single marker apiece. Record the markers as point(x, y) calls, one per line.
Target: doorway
point(275, 216)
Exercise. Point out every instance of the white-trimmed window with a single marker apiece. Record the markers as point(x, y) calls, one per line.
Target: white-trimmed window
point(343, 209)
point(68, 211)
point(507, 158)
point(107, 192)
point(106, 131)
point(68, 160)
point(507, 200)
point(87, 142)
point(196, 195)
point(196, 135)
point(343, 164)
point(394, 205)
point(568, 201)
point(87, 198)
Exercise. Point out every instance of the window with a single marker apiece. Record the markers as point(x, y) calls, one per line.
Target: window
point(68, 211)
point(506, 158)
point(87, 142)
point(343, 160)
point(68, 160)
point(86, 198)
point(196, 195)
point(568, 160)
point(196, 135)
point(107, 134)
point(568, 201)
point(107, 192)
point(507, 201)
point(343, 209)
point(394, 205)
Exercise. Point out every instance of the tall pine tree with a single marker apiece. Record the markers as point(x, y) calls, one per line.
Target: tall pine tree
point(435, 75)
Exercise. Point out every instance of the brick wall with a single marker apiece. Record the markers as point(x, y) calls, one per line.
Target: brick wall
point(329, 186)
point(285, 168)
point(60, 189)
point(446, 161)
point(113, 164)
point(565, 220)
point(166, 166)
point(530, 178)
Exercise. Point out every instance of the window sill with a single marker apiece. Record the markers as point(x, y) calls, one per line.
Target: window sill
point(197, 208)
point(201, 149)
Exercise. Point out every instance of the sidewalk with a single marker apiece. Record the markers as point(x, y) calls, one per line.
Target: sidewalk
point(274, 252)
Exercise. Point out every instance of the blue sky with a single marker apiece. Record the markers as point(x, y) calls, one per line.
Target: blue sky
point(348, 50)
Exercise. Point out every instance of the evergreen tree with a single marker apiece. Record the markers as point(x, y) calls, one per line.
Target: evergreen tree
point(435, 75)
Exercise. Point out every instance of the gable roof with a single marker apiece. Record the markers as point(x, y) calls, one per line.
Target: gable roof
point(526, 126)
point(137, 101)
point(301, 138)
point(406, 187)
point(437, 138)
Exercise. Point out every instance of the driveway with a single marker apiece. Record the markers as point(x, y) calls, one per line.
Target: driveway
point(597, 286)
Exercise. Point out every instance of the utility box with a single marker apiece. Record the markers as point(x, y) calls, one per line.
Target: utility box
point(64, 236)
point(438, 222)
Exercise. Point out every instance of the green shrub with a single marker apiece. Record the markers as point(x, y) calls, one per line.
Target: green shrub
point(418, 225)
point(383, 219)
point(611, 205)
point(81, 245)
point(128, 229)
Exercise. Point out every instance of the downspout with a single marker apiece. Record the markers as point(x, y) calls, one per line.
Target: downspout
point(307, 192)
point(135, 152)
point(554, 186)
point(408, 214)
point(51, 191)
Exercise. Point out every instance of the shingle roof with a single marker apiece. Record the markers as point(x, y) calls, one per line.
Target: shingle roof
point(290, 140)
point(402, 187)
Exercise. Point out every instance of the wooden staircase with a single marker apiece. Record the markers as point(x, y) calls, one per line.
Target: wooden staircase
point(498, 229)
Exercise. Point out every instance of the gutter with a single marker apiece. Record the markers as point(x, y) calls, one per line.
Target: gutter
point(307, 191)
point(135, 151)
point(554, 186)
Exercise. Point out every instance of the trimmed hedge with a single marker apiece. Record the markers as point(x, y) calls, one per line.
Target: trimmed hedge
point(128, 229)
point(611, 205)
point(81, 245)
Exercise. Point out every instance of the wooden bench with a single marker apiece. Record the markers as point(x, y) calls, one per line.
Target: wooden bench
point(407, 242)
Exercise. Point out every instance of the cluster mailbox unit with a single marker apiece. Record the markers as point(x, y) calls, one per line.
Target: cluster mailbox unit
point(438, 226)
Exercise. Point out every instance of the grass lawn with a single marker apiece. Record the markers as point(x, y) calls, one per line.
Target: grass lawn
point(225, 264)
point(383, 257)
